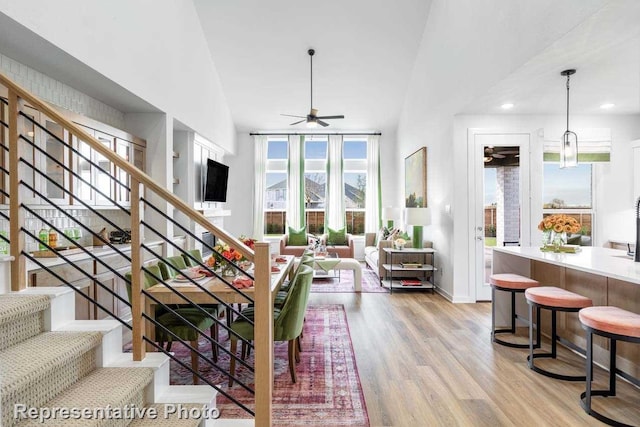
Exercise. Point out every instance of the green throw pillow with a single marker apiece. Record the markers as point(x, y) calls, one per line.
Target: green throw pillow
point(297, 237)
point(336, 237)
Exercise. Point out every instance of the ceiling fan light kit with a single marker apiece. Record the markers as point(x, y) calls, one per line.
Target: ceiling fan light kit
point(312, 119)
point(569, 143)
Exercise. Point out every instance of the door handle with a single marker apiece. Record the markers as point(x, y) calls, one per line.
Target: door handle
point(479, 238)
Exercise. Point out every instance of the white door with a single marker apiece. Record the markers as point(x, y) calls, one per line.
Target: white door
point(501, 150)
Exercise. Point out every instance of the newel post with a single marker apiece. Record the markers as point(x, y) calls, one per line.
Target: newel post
point(263, 335)
point(137, 275)
point(16, 246)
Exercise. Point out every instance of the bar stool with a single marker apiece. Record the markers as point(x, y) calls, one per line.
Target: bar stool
point(554, 299)
point(617, 325)
point(514, 284)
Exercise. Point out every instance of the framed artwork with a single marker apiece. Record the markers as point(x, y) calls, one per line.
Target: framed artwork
point(415, 179)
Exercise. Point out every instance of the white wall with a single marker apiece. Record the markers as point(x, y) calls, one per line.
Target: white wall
point(156, 50)
point(451, 70)
point(60, 94)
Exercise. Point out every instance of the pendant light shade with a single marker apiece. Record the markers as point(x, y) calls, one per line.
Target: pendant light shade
point(569, 143)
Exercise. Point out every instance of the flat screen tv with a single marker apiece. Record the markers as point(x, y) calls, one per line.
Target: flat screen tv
point(215, 188)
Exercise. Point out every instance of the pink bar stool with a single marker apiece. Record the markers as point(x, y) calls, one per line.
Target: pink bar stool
point(617, 325)
point(514, 284)
point(554, 299)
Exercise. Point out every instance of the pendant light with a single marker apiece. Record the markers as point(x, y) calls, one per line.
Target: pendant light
point(569, 143)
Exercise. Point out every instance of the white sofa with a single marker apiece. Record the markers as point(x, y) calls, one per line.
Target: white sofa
point(373, 254)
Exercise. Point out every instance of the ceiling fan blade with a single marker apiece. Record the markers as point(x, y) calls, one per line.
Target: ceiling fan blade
point(291, 115)
point(321, 123)
point(295, 123)
point(498, 155)
point(330, 117)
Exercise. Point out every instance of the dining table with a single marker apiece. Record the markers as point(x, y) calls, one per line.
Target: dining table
point(225, 291)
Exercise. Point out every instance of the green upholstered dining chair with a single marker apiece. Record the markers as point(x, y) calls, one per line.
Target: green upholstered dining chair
point(195, 253)
point(283, 293)
point(287, 323)
point(177, 325)
point(175, 261)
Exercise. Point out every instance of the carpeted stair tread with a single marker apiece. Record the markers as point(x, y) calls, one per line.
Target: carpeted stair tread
point(103, 388)
point(16, 306)
point(37, 369)
point(170, 420)
point(21, 317)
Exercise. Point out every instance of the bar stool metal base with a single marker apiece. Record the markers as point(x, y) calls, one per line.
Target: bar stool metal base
point(585, 397)
point(554, 338)
point(514, 316)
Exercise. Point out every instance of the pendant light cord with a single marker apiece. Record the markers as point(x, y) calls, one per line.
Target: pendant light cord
point(568, 77)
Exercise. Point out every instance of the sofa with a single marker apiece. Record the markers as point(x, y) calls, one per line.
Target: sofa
point(373, 254)
point(343, 251)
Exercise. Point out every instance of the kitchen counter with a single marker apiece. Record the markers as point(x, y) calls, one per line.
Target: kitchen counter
point(98, 251)
point(607, 276)
point(607, 262)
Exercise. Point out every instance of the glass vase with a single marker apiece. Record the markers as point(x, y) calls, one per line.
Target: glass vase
point(558, 240)
point(546, 238)
point(228, 270)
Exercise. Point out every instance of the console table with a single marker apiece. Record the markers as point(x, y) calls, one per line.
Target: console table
point(419, 268)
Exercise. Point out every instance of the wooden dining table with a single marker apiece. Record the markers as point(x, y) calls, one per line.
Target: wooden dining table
point(225, 292)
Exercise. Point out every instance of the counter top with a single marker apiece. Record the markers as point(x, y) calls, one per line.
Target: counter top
point(607, 262)
point(99, 251)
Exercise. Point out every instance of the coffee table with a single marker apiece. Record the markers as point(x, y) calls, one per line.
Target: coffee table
point(338, 264)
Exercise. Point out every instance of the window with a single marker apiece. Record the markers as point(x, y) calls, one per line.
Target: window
point(275, 200)
point(355, 182)
point(315, 183)
point(570, 191)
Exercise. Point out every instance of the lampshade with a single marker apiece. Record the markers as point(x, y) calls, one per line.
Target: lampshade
point(390, 213)
point(417, 216)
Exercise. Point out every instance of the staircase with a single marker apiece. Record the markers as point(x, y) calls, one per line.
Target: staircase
point(48, 360)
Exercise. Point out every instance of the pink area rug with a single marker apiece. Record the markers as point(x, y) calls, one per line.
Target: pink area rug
point(327, 391)
point(370, 283)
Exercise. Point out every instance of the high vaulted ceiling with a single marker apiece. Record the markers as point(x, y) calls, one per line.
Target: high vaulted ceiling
point(366, 52)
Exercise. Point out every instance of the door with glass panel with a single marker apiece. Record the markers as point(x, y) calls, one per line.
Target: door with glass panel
point(500, 206)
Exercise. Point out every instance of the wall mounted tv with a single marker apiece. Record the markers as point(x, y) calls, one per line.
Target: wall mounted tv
point(215, 188)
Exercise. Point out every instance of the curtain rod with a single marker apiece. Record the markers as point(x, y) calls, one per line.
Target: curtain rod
point(312, 133)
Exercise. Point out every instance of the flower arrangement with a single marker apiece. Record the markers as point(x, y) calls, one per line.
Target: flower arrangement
point(399, 243)
point(223, 254)
point(559, 223)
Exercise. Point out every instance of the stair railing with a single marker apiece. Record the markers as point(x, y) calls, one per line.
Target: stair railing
point(140, 183)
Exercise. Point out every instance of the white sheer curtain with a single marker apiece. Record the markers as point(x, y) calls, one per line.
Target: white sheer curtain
point(334, 200)
point(259, 186)
point(295, 196)
point(372, 193)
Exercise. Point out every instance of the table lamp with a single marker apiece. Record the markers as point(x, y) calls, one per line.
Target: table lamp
point(418, 217)
point(390, 214)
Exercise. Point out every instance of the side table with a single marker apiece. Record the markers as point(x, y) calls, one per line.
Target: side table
point(396, 265)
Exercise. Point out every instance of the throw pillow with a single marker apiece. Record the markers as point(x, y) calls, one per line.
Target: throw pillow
point(297, 237)
point(336, 237)
point(381, 235)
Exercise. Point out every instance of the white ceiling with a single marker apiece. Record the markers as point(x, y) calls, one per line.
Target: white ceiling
point(365, 51)
point(605, 51)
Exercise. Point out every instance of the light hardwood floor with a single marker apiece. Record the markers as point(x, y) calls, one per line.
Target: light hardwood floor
point(426, 362)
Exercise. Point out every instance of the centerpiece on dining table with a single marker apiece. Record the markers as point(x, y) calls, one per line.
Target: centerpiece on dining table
point(554, 231)
point(224, 256)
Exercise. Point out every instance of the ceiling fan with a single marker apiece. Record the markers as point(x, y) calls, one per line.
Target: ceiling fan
point(312, 119)
point(491, 153)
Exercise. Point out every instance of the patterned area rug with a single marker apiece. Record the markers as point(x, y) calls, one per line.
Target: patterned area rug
point(370, 283)
point(327, 391)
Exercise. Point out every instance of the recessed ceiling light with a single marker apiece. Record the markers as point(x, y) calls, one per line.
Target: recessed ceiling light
point(507, 106)
point(607, 106)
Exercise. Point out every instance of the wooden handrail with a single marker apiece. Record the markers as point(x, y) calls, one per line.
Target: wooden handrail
point(135, 173)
